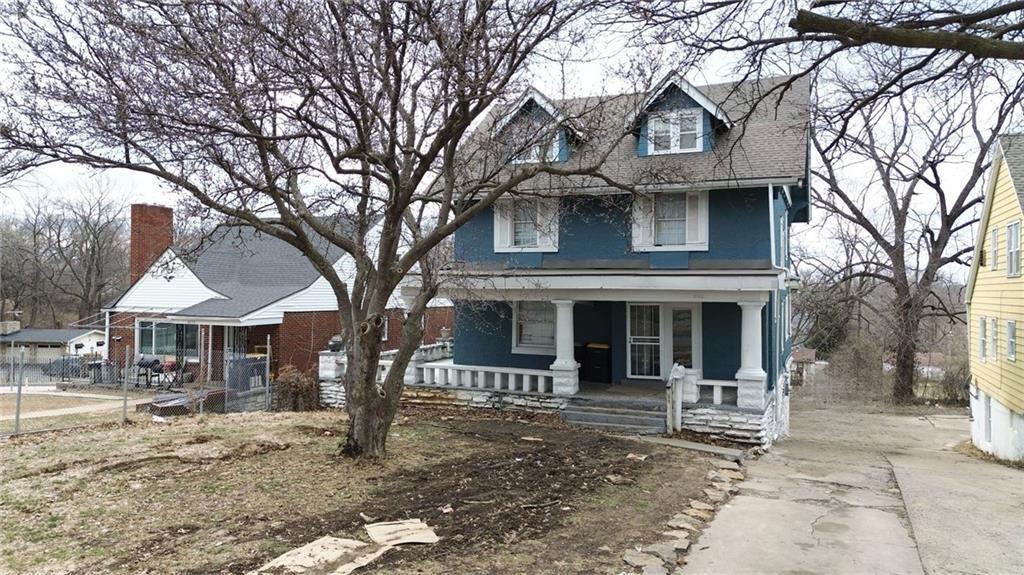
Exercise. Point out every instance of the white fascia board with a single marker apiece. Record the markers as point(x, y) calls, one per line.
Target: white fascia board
point(541, 100)
point(676, 79)
point(633, 287)
point(244, 321)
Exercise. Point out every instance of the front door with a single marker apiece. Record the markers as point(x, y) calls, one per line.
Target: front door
point(644, 340)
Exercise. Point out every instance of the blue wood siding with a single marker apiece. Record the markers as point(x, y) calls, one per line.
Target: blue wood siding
point(598, 227)
point(720, 339)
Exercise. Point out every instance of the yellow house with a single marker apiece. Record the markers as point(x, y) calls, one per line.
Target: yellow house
point(995, 307)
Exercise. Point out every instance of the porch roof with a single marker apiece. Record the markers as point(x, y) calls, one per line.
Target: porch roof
point(634, 285)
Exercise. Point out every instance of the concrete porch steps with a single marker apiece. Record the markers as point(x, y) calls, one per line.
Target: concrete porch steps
point(621, 417)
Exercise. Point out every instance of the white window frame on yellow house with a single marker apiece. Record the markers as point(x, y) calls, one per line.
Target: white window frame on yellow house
point(1011, 340)
point(982, 338)
point(995, 338)
point(1013, 249)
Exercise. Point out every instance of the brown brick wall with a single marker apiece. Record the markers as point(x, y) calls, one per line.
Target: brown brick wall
point(302, 336)
point(152, 232)
point(435, 319)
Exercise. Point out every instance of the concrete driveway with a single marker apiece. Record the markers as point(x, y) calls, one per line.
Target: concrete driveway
point(858, 492)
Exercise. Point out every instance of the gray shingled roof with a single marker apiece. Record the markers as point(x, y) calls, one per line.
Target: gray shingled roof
point(769, 142)
point(252, 270)
point(1013, 154)
point(43, 335)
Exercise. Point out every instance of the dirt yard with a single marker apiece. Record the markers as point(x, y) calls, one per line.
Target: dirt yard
point(507, 493)
point(41, 402)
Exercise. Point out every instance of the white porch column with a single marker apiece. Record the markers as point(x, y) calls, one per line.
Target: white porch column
point(751, 376)
point(566, 376)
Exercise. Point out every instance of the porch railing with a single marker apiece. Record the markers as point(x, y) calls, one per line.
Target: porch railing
point(490, 378)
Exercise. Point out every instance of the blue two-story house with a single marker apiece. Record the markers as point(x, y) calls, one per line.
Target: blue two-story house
point(580, 282)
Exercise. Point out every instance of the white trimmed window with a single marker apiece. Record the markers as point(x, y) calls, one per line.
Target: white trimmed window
point(994, 323)
point(993, 248)
point(384, 328)
point(982, 339)
point(675, 132)
point(526, 225)
point(1011, 340)
point(545, 150)
point(533, 327)
point(670, 221)
point(1013, 249)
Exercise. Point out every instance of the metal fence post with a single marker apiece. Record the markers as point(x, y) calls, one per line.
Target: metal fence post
point(21, 383)
point(124, 385)
point(270, 389)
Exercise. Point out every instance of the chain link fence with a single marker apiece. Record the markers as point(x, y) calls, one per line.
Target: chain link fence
point(74, 390)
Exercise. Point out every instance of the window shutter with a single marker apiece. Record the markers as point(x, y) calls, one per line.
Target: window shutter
point(547, 223)
point(643, 222)
point(641, 144)
point(563, 146)
point(502, 224)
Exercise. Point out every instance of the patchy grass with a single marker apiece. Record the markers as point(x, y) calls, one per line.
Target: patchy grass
point(967, 448)
point(227, 493)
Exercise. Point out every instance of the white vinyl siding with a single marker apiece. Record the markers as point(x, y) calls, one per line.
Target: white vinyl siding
point(670, 221)
point(533, 327)
point(1011, 340)
point(526, 225)
point(1013, 249)
point(675, 131)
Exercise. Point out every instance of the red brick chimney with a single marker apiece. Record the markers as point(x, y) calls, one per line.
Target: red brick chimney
point(152, 233)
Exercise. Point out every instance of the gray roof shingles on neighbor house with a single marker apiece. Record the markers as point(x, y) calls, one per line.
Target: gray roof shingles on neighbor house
point(252, 270)
point(1013, 154)
point(43, 335)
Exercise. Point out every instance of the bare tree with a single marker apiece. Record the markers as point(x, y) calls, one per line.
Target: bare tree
point(88, 247)
point(906, 175)
point(331, 125)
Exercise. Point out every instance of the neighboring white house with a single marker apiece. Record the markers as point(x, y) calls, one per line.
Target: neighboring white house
point(44, 345)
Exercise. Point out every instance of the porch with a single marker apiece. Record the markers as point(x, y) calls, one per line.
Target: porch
point(171, 353)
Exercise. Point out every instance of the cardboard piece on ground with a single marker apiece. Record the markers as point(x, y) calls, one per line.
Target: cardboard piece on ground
point(361, 561)
point(400, 532)
point(315, 555)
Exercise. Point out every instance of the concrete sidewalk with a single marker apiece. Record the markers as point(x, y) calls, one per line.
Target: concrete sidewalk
point(852, 492)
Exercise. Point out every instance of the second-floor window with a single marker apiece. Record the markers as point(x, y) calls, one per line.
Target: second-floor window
point(982, 339)
point(526, 224)
point(675, 131)
point(995, 338)
point(670, 221)
point(1013, 249)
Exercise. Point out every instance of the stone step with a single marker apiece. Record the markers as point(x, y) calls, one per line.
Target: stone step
point(608, 415)
point(652, 404)
point(622, 429)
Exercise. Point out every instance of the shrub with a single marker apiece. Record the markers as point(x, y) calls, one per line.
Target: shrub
point(296, 391)
point(955, 380)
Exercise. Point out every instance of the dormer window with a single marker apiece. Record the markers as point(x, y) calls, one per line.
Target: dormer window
point(545, 150)
point(675, 131)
